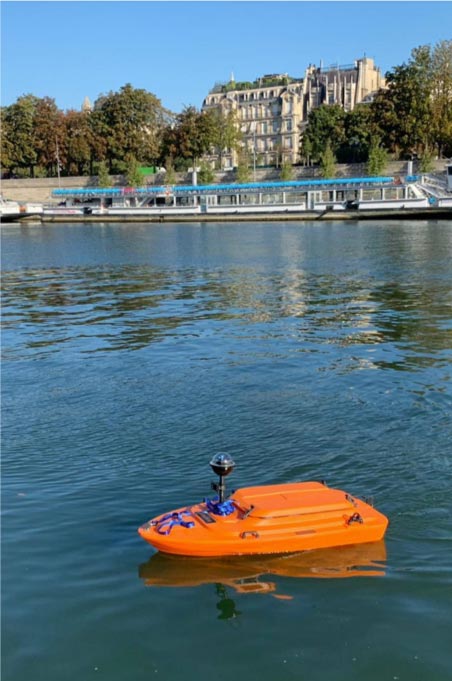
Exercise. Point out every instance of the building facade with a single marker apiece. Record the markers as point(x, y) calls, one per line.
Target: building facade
point(273, 110)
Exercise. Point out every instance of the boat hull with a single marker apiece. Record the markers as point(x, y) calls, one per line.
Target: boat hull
point(266, 520)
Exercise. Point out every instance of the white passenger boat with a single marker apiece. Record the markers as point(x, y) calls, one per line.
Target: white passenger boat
point(340, 197)
point(13, 210)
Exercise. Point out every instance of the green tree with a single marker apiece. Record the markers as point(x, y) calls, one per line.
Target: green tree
point(206, 174)
point(441, 104)
point(286, 171)
point(79, 142)
point(243, 171)
point(49, 136)
point(326, 126)
point(7, 151)
point(133, 176)
point(170, 175)
point(377, 160)
point(131, 122)
point(18, 134)
point(278, 152)
point(328, 162)
point(226, 133)
point(402, 112)
point(194, 133)
point(103, 178)
point(358, 129)
point(306, 150)
point(426, 161)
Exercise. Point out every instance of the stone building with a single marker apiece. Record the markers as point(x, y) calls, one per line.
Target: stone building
point(343, 85)
point(268, 111)
point(272, 110)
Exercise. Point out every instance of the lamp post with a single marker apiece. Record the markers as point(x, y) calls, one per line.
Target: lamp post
point(58, 162)
point(253, 128)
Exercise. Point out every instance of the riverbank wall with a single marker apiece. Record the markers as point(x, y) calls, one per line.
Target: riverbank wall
point(40, 189)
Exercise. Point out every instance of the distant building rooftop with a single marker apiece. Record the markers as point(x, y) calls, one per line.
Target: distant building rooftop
point(269, 80)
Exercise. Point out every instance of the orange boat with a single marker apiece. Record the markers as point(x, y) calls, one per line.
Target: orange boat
point(285, 518)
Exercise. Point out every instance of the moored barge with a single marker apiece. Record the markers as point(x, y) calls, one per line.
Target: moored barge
point(298, 199)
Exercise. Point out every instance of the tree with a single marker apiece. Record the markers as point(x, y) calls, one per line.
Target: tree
point(426, 161)
point(103, 178)
point(377, 160)
point(326, 125)
point(226, 133)
point(170, 176)
point(18, 134)
point(286, 171)
point(131, 122)
point(358, 129)
point(403, 111)
point(206, 174)
point(6, 142)
point(194, 133)
point(306, 150)
point(49, 136)
point(243, 172)
point(328, 162)
point(441, 108)
point(79, 142)
point(133, 176)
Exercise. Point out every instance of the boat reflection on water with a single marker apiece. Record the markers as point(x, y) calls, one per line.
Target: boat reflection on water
point(249, 573)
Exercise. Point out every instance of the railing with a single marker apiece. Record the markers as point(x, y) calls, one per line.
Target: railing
point(249, 187)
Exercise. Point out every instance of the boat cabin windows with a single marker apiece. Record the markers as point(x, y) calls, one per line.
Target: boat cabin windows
point(371, 195)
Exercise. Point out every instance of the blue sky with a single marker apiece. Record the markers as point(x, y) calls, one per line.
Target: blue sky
point(178, 50)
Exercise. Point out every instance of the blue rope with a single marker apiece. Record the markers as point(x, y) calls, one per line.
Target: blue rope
point(214, 506)
point(171, 519)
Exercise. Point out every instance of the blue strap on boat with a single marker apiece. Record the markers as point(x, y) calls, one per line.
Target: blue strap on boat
point(214, 506)
point(171, 519)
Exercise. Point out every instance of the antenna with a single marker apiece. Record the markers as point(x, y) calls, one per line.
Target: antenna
point(221, 464)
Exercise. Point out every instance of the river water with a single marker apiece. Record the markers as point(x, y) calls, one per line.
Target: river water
point(133, 353)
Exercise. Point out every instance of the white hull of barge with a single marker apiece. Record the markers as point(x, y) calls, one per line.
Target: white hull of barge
point(282, 209)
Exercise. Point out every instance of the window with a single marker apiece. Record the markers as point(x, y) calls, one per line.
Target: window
point(289, 126)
